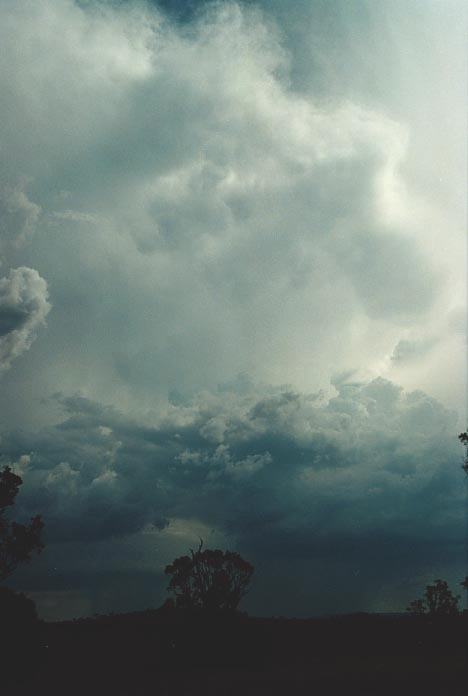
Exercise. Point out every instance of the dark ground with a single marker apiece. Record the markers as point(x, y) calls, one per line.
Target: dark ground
point(175, 653)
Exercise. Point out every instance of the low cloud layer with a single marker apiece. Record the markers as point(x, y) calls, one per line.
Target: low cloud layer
point(262, 459)
point(371, 476)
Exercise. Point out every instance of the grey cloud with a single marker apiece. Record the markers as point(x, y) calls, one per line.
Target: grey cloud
point(409, 350)
point(73, 216)
point(366, 461)
point(23, 308)
point(18, 217)
point(370, 476)
point(389, 274)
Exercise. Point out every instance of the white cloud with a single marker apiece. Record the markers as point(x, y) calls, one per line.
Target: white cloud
point(23, 308)
point(216, 219)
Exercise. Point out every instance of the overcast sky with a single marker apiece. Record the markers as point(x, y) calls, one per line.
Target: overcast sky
point(232, 295)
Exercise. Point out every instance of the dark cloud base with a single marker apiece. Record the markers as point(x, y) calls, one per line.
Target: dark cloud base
point(366, 486)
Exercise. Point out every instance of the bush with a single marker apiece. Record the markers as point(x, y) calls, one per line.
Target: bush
point(20, 645)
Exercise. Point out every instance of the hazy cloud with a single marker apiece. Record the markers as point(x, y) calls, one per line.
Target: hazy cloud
point(18, 217)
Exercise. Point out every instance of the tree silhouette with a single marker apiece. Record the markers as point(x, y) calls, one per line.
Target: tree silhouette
point(209, 579)
point(464, 583)
point(463, 437)
point(438, 600)
point(17, 541)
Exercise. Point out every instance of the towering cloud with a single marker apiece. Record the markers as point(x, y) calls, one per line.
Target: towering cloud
point(239, 189)
point(202, 215)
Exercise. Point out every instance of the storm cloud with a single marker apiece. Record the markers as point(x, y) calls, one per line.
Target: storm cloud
point(196, 191)
point(341, 464)
point(248, 220)
point(371, 475)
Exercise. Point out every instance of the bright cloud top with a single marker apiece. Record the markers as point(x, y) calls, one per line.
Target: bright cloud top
point(220, 220)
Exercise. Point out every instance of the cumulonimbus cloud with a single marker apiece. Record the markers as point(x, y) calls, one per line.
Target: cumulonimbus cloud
point(200, 214)
point(246, 217)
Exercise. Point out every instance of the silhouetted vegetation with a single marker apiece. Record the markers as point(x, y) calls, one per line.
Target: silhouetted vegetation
point(19, 634)
point(20, 645)
point(209, 579)
point(438, 600)
point(199, 644)
point(17, 541)
point(463, 437)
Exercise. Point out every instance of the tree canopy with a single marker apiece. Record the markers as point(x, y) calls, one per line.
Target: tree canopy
point(438, 600)
point(209, 579)
point(17, 541)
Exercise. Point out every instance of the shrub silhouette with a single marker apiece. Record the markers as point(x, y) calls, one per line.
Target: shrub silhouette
point(19, 637)
point(463, 437)
point(438, 600)
point(209, 579)
point(17, 541)
point(20, 628)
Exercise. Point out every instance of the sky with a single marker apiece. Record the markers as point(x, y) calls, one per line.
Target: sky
point(232, 296)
